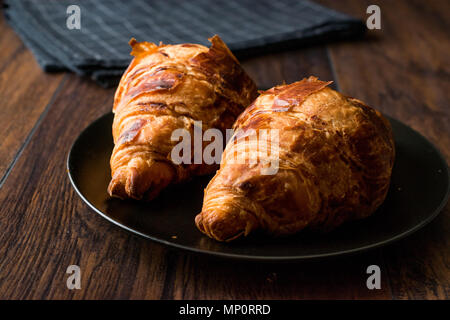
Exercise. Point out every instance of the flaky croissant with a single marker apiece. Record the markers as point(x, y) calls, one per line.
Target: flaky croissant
point(335, 157)
point(168, 87)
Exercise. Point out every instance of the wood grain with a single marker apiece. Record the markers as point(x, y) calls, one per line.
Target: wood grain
point(47, 228)
point(198, 277)
point(25, 92)
point(403, 70)
point(276, 68)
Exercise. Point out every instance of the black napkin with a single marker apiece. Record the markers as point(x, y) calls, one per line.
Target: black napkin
point(100, 50)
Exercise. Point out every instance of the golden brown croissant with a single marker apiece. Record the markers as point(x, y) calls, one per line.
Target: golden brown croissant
point(335, 159)
point(168, 87)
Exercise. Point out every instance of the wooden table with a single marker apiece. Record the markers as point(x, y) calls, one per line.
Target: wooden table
point(402, 69)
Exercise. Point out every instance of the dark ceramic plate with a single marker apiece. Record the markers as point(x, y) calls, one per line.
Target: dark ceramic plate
point(418, 192)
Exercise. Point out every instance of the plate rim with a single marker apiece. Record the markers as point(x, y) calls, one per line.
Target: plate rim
point(260, 258)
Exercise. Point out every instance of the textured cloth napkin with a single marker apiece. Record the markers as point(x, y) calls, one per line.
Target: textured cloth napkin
point(100, 50)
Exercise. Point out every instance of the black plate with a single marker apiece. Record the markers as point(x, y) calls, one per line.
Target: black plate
point(418, 192)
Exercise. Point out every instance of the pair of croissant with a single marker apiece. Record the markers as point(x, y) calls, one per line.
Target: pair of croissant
point(334, 153)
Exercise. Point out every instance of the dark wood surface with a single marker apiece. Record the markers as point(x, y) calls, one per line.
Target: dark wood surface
point(402, 70)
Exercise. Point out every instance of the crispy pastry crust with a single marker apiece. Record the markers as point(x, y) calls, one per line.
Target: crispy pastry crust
point(335, 161)
point(168, 87)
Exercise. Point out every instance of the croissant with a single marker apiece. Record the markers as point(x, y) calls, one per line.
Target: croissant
point(335, 157)
point(169, 87)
